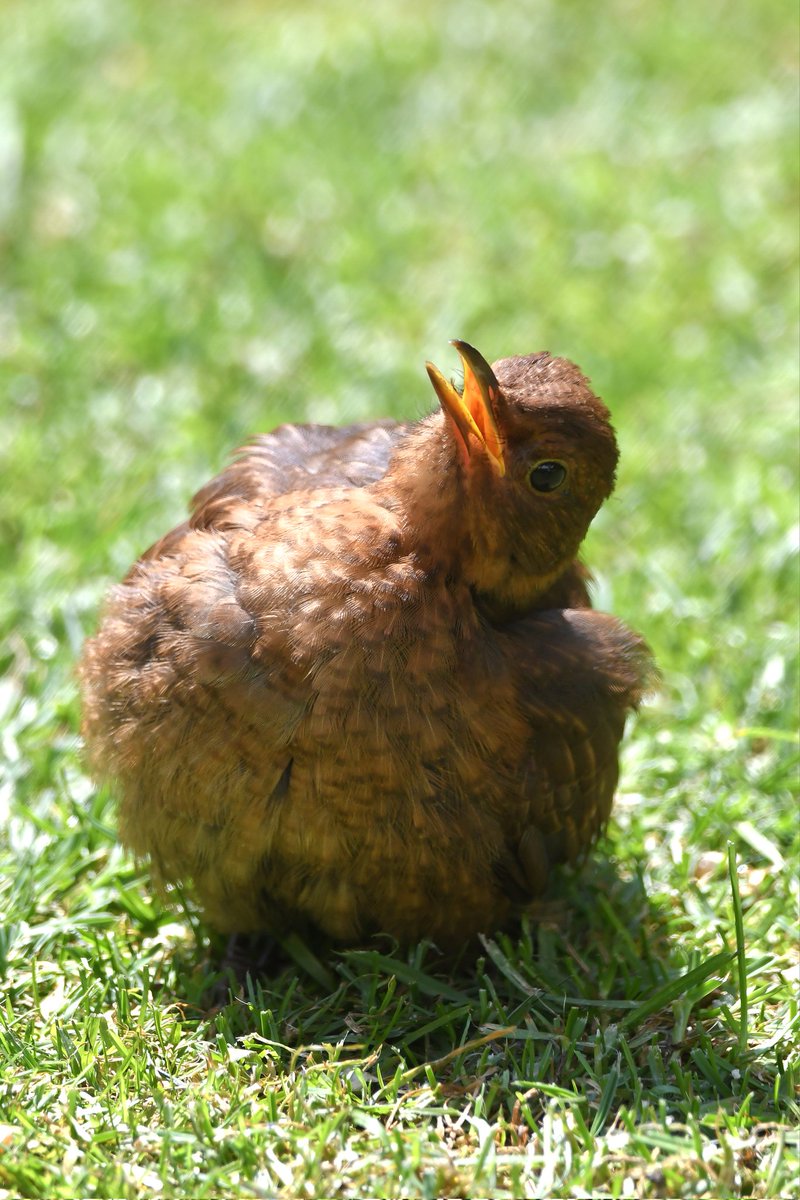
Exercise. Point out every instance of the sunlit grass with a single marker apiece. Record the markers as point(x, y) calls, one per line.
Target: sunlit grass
point(216, 217)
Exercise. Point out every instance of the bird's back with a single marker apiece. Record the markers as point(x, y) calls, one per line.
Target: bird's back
point(296, 458)
point(292, 458)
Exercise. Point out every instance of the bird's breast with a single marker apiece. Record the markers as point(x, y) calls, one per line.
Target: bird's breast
point(402, 688)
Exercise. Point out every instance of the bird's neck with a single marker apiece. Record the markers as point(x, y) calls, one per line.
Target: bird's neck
point(423, 487)
point(509, 593)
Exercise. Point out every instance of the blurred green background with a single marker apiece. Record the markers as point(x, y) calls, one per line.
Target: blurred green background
point(218, 216)
point(214, 217)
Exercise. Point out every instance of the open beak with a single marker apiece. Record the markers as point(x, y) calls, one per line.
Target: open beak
point(472, 412)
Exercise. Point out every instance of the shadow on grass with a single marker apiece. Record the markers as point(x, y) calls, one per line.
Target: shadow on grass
point(599, 943)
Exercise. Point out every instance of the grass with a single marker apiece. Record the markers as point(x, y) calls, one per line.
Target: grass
point(215, 217)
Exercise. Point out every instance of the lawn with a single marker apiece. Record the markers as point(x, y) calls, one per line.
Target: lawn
point(215, 217)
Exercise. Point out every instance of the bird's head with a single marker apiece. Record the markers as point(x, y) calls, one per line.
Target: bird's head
point(536, 457)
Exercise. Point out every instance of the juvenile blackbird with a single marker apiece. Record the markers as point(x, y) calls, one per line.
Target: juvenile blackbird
point(362, 689)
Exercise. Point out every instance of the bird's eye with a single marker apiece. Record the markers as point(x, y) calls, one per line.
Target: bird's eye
point(546, 476)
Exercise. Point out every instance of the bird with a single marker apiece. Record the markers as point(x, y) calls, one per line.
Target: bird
point(361, 690)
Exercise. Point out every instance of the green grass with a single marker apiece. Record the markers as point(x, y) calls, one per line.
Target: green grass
point(214, 217)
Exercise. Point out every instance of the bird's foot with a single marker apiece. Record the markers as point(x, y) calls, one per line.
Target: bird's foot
point(245, 954)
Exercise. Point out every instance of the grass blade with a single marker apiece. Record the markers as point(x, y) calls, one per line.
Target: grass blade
point(678, 987)
point(741, 962)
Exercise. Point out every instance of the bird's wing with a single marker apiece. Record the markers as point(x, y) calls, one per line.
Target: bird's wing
point(577, 675)
point(201, 675)
point(180, 715)
point(295, 458)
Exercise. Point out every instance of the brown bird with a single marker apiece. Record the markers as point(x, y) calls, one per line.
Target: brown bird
point(362, 689)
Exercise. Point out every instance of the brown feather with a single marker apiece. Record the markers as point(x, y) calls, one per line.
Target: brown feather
point(361, 688)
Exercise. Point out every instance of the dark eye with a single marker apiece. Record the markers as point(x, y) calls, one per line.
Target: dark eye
point(546, 476)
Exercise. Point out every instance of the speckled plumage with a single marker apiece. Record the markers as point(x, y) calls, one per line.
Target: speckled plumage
point(361, 689)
